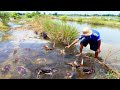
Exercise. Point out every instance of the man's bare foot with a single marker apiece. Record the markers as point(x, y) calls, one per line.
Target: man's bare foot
point(78, 54)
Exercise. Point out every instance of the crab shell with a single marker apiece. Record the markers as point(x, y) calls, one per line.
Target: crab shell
point(21, 70)
point(7, 68)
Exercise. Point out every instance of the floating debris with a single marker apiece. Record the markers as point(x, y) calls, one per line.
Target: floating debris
point(21, 70)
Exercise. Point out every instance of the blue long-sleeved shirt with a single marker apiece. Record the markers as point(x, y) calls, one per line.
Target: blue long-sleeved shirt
point(95, 36)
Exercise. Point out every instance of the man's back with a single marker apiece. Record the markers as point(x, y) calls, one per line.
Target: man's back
point(95, 35)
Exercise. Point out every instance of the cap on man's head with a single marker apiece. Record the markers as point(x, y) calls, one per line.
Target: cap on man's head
point(86, 31)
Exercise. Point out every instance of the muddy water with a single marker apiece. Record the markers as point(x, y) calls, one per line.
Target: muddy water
point(26, 50)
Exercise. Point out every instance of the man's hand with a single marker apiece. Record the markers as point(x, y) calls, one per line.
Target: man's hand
point(67, 46)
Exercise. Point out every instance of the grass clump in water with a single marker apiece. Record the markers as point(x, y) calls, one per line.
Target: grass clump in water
point(60, 32)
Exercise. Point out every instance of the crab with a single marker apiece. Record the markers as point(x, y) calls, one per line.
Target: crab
point(6, 68)
point(73, 64)
point(46, 71)
point(88, 70)
point(21, 70)
point(47, 48)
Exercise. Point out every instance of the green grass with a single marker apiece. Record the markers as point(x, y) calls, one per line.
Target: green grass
point(59, 32)
point(111, 75)
point(3, 27)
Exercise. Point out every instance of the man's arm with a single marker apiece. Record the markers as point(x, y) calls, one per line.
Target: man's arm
point(74, 42)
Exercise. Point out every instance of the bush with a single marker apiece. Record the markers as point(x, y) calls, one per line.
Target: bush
point(15, 15)
point(60, 32)
point(5, 17)
point(79, 20)
point(64, 18)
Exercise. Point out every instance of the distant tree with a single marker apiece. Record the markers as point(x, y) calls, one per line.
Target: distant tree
point(15, 15)
point(29, 15)
point(55, 14)
point(119, 15)
point(37, 12)
point(64, 18)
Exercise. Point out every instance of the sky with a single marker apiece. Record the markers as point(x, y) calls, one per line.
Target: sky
point(74, 12)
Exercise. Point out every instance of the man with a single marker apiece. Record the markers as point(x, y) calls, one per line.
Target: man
point(88, 36)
